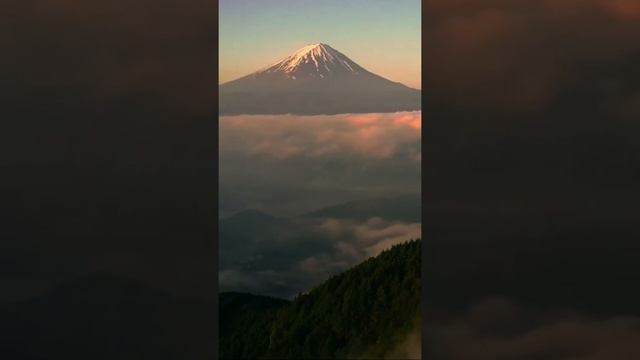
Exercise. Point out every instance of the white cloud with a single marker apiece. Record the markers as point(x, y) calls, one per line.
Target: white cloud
point(381, 135)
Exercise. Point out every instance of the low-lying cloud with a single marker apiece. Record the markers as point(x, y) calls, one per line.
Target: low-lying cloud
point(307, 162)
point(290, 165)
point(302, 253)
point(356, 241)
point(379, 135)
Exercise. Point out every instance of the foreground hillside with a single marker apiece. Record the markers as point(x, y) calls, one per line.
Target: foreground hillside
point(367, 311)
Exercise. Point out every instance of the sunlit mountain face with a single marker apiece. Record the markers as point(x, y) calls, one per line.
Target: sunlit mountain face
point(316, 79)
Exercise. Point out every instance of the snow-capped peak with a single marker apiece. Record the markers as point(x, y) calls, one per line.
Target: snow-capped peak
point(314, 60)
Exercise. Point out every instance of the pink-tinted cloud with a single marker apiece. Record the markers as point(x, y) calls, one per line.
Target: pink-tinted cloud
point(282, 137)
point(408, 119)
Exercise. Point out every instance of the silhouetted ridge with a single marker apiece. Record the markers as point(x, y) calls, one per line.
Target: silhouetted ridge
point(402, 208)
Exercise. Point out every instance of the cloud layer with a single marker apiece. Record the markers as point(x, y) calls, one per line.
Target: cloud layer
point(307, 162)
point(379, 135)
point(297, 254)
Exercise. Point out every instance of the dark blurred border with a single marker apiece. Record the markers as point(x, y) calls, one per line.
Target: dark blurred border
point(109, 179)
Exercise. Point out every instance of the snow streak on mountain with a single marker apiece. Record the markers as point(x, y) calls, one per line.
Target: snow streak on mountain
point(316, 79)
point(317, 60)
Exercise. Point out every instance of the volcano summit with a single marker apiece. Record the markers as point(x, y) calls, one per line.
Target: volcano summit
point(316, 79)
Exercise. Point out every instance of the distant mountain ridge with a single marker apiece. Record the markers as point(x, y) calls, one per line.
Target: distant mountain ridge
point(402, 208)
point(406, 208)
point(316, 79)
point(366, 311)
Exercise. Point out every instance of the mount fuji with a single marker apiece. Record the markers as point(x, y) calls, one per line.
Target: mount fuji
point(316, 79)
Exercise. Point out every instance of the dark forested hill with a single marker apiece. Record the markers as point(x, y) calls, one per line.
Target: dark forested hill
point(368, 311)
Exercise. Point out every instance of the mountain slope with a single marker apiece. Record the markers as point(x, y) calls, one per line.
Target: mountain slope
point(246, 316)
point(366, 311)
point(316, 79)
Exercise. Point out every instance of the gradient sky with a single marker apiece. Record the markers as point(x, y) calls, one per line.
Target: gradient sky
point(382, 36)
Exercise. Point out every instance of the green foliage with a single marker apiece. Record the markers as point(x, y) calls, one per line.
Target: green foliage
point(366, 310)
point(243, 318)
